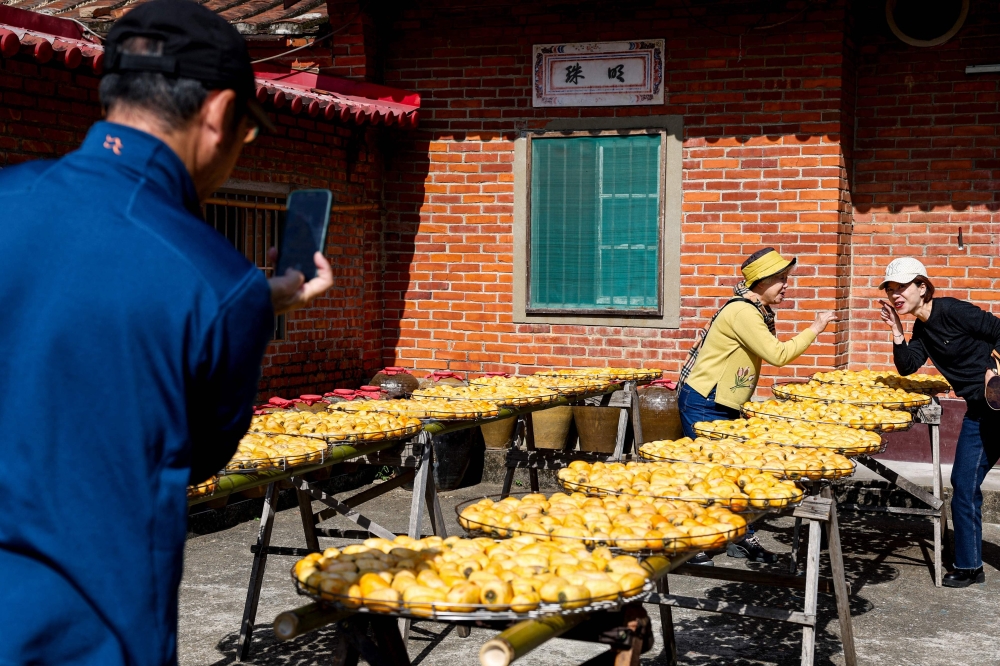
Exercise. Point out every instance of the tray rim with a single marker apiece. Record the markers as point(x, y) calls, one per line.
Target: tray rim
point(482, 613)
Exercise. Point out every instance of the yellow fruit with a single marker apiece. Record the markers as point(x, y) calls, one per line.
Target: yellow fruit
point(355, 598)
point(631, 584)
point(462, 597)
point(524, 602)
point(370, 582)
point(602, 590)
point(403, 580)
point(551, 589)
point(384, 600)
point(573, 596)
point(495, 594)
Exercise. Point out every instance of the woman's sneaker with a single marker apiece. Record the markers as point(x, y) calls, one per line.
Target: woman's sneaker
point(752, 550)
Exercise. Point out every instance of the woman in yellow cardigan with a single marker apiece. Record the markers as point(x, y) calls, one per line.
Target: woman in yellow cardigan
point(723, 368)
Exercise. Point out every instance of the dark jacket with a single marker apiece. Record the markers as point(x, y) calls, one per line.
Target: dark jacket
point(132, 335)
point(958, 337)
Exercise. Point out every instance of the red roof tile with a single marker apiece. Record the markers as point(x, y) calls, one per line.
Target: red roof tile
point(51, 39)
point(251, 17)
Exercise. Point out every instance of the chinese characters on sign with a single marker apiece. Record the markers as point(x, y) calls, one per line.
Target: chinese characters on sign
point(574, 74)
point(598, 74)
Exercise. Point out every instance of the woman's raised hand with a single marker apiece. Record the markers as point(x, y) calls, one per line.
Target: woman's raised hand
point(823, 320)
point(889, 315)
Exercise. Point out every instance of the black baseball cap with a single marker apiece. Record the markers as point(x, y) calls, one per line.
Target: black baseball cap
point(197, 44)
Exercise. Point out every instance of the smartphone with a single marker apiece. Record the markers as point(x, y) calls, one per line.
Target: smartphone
point(306, 218)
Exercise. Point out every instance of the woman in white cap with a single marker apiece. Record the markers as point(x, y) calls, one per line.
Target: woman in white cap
point(722, 369)
point(959, 338)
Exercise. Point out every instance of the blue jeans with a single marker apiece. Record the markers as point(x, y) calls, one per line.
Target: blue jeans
point(977, 451)
point(695, 408)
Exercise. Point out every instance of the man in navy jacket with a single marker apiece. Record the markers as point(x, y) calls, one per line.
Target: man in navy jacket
point(133, 335)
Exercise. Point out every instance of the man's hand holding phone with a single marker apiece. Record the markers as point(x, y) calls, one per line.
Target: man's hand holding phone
point(291, 291)
point(303, 238)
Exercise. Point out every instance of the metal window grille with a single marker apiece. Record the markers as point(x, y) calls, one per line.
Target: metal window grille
point(253, 224)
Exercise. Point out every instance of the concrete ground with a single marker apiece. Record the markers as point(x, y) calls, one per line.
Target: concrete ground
point(899, 617)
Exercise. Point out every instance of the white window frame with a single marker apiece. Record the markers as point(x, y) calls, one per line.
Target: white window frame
point(671, 194)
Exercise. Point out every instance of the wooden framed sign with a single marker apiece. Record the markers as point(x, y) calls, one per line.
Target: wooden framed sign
point(598, 74)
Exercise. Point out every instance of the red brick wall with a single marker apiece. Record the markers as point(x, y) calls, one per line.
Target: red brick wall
point(763, 165)
point(926, 166)
point(45, 111)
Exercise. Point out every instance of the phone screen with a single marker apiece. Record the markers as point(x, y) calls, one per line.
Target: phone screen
point(306, 220)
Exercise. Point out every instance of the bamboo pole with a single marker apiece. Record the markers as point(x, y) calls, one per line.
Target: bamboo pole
point(520, 639)
point(292, 624)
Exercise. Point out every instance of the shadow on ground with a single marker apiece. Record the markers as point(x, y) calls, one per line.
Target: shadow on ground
point(318, 647)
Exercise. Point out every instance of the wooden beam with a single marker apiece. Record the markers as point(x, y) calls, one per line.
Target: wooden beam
point(732, 608)
point(767, 578)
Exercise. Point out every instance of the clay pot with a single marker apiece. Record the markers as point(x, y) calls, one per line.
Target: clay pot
point(551, 426)
point(497, 434)
point(340, 395)
point(439, 377)
point(658, 412)
point(395, 381)
point(598, 428)
point(371, 393)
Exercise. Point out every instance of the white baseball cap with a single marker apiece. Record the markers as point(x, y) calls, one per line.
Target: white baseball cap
point(903, 271)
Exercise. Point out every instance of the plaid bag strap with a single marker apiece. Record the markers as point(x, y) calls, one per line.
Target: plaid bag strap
point(696, 349)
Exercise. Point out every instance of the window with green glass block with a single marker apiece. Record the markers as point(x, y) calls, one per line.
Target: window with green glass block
point(594, 226)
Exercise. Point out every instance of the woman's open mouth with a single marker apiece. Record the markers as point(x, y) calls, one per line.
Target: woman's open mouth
point(899, 305)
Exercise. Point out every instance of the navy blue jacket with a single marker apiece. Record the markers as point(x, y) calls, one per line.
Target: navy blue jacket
point(132, 335)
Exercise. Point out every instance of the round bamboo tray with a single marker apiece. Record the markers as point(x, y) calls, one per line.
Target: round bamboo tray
point(917, 383)
point(429, 410)
point(787, 391)
point(444, 611)
point(780, 471)
point(278, 463)
point(636, 546)
point(743, 430)
point(516, 399)
point(614, 374)
point(735, 504)
point(881, 427)
point(567, 387)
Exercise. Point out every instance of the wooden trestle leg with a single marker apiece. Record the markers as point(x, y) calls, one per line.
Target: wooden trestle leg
point(812, 592)
point(508, 479)
point(308, 519)
point(817, 514)
point(667, 625)
point(840, 582)
point(529, 442)
point(940, 520)
point(257, 572)
point(424, 495)
point(931, 416)
point(793, 559)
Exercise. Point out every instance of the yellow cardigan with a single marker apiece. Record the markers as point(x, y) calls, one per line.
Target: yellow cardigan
point(729, 361)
